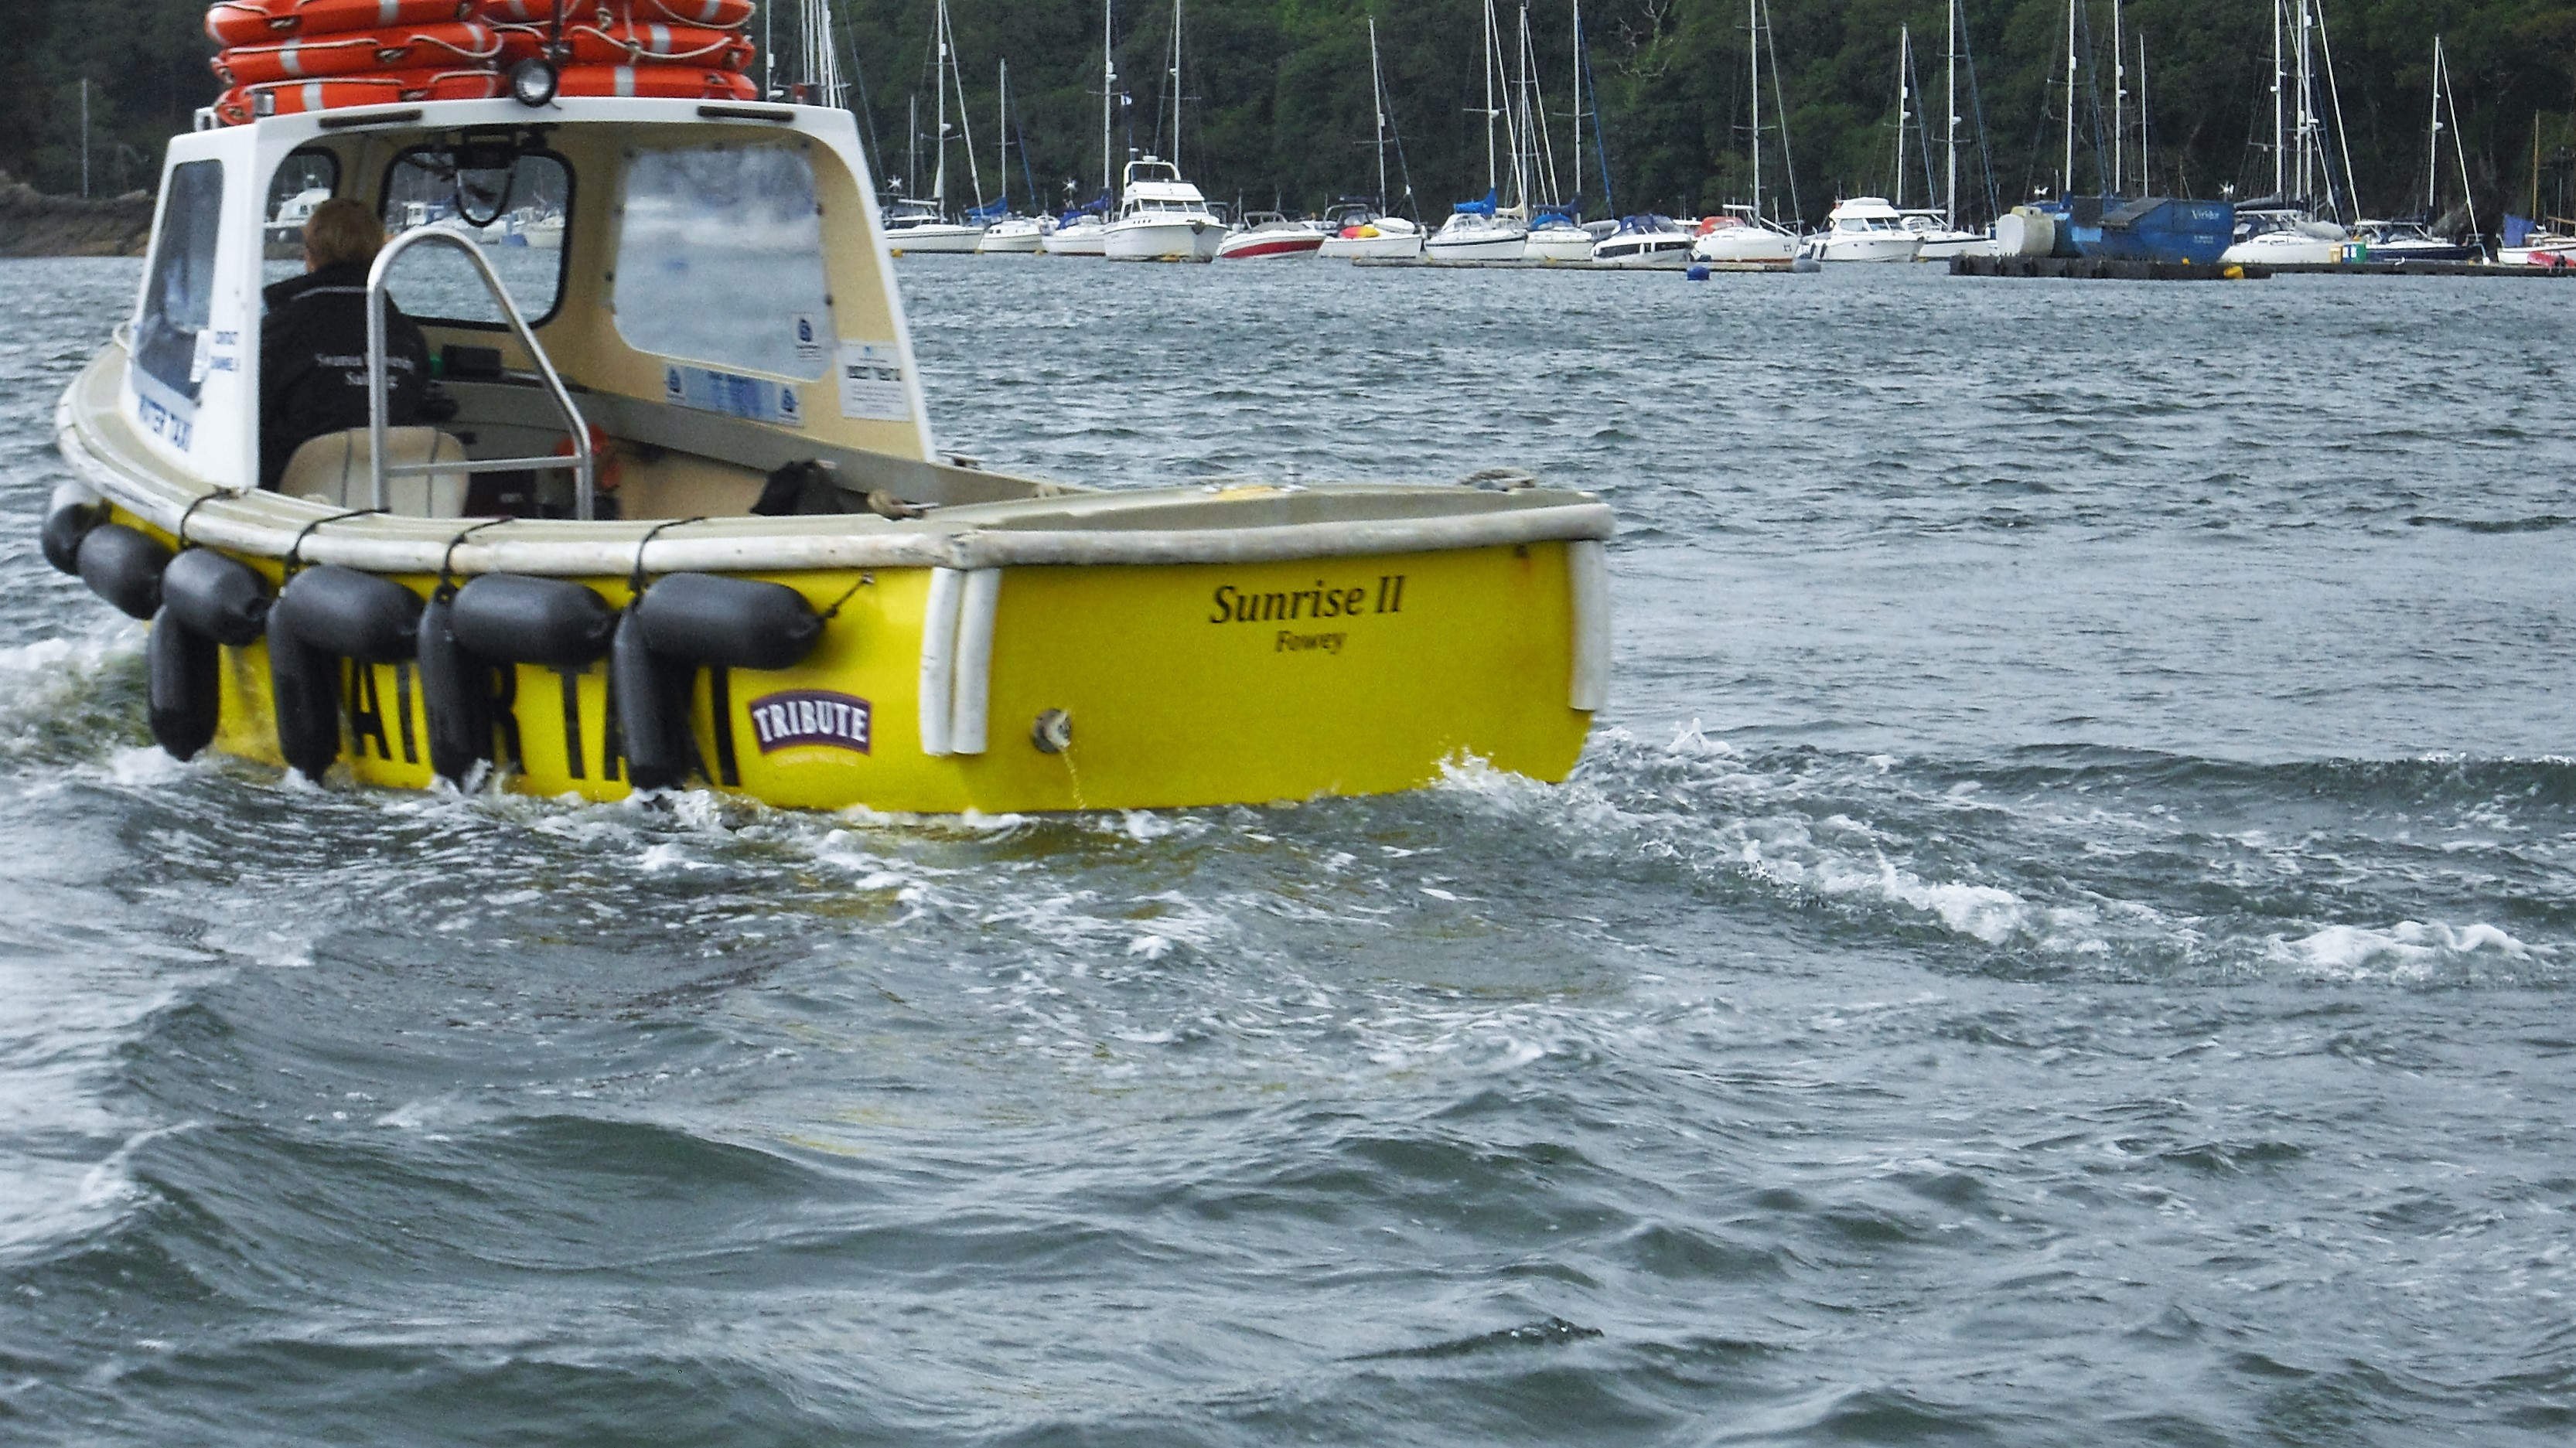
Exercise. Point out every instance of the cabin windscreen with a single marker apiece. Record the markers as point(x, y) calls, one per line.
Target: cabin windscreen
point(513, 206)
point(304, 180)
point(171, 342)
point(720, 260)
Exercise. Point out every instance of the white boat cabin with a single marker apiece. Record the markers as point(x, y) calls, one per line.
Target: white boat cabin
point(720, 302)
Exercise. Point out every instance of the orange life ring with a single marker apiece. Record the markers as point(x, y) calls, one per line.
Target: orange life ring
point(244, 104)
point(650, 44)
point(670, 82)
point(444, 46)
point(265, 22)
point(714, 14)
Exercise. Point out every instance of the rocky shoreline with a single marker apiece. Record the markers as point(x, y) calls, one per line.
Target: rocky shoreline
point(34, 224)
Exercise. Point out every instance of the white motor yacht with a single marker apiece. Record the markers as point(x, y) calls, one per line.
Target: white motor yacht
point(1865, 228)
point(1650, 242)
point(1015, 236)
point(918, 226)
point(1164, 218)
point(1942, 241)
point(1739, 240)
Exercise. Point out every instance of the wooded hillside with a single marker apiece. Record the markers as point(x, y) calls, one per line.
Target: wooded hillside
point(1277, 91)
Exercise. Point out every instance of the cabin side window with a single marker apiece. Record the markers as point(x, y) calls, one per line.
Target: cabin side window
point(171, 343)
point(720, 260)
point(512, 205)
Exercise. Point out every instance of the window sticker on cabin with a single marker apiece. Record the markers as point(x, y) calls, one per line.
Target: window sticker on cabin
point(172, 343)
point(720, 261)
point(872, 383)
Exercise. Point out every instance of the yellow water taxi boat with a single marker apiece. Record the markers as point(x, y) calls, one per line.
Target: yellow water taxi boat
point(654, 316)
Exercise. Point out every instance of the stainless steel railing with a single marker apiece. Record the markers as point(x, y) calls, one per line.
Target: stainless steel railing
point(584, 465)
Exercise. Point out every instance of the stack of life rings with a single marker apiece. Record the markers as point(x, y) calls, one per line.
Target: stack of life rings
point(282, 57)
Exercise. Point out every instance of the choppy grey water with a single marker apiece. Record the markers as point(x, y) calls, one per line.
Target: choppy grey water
point(2065, 937)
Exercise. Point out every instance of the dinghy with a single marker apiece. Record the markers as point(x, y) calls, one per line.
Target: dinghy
point(688, 525)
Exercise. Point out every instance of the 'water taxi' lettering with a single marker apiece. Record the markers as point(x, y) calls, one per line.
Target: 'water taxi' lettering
point(1323, 601)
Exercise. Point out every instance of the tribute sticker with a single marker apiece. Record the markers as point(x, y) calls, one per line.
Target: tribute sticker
point(812, 718)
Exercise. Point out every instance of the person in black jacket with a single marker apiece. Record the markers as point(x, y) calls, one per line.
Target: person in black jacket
point(313, 343)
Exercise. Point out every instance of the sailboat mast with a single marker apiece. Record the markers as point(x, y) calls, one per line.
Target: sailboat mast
point(1753, 49)
point(1108, 96)
point(939, 79)
point(2459, 144)
point(2307, 104)
point(1002, 128)
point(1904, 65)
point(1578, 102)
point(1377, 98)
point(2066, 178)
point(2280, 122)
point(2147, 165)
point(1493, 165)
point(1950, 134)
point(2433, 137)
point(965, 122)
point(1175, 157)
point(2119, 104)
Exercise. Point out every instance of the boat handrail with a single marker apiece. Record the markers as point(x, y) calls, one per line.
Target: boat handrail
point(584, 465)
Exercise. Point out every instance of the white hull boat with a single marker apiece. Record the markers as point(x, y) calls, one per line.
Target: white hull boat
point(1728, 241)
point(1384, 238)
point(1865, 229)
point(1014, 236)
point(1472, 236)
point(2285, 248)
point(1645, 244)
point(939, 237)
point(1163, 238)
point(1559, 244)
point(1272, 237)
point(1084, 236)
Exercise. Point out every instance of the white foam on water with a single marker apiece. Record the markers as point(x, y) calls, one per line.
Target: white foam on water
point(2408, 950)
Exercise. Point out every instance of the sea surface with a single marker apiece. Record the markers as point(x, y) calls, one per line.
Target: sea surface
point(2065, 936)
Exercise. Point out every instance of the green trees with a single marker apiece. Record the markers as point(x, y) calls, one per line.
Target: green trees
point(1277, 91)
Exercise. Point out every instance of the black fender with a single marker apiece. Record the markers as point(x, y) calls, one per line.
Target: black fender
point(219, 597)
point(456, 689)
point(550, 622)
point(184, 667)
point(355, 615)
point(651, 696)
point(67, 521)
point(123, 565)
point(304, 689)
point(707, 621)
point(322, 616)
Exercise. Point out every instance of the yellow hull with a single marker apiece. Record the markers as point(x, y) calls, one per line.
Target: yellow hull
point(1186, 684)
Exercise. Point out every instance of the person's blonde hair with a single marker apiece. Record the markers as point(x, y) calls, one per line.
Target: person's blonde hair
point(342, 230)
